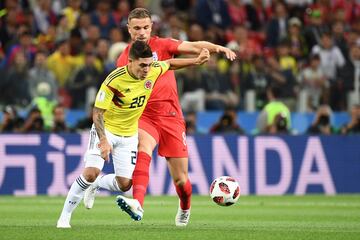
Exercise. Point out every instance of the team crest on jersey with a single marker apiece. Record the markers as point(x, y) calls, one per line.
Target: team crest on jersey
point(155, 56)
point(148, 84)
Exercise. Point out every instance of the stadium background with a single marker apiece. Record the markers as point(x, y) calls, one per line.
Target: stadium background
point(54, 55)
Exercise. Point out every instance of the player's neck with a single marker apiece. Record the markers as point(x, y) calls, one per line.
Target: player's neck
point(130, 72)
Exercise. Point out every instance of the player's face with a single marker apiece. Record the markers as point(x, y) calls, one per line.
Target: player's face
point(140, 68)
point(140, 29)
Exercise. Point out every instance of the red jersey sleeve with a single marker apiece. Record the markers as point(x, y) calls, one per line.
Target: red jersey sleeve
point(169, 44)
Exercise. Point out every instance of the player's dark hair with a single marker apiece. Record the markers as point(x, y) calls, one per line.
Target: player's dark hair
point(140, 49)
point(139, 13)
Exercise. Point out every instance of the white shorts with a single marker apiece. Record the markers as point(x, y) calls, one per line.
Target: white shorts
point(123, 154)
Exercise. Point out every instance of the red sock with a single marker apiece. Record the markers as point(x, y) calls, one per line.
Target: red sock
point(141, 176)
point(184, 193)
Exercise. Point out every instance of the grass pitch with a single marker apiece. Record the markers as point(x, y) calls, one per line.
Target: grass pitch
point(253, 217)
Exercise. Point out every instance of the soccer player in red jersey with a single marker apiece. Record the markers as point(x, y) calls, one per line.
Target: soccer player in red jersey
point(162, 121)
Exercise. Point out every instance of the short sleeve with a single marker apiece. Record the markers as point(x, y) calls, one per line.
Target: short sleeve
point(104, 97)
point(171, 45)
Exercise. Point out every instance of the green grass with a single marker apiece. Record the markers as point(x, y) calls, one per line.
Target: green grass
point(282, 217)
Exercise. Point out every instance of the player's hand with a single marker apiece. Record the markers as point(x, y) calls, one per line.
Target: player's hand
point(204, 56)
point(105, 149)
point(231, 55)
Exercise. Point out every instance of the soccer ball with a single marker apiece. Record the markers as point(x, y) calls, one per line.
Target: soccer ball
point(225, 191)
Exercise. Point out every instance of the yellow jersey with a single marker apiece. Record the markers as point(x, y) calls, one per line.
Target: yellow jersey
point(124, 98)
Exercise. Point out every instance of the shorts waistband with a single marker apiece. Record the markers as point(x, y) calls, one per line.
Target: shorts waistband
point(122, 136)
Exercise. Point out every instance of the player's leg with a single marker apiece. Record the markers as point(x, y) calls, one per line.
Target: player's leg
point(93, 165)
point(178, 168)
point(124, 157)
point(111, 182)
point(108, 182)
point(172, 145)
point(148, 138)
point(78, 189)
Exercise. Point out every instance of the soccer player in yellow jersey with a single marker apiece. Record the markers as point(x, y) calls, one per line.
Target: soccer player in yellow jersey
point(119, 104)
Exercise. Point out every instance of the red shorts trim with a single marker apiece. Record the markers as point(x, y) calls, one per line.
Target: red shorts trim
point(169, 133)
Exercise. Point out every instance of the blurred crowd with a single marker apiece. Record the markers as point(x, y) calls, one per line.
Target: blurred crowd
point(275, 118)
point(54, 54)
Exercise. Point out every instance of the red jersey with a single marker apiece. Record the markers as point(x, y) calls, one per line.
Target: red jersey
point(164, 100)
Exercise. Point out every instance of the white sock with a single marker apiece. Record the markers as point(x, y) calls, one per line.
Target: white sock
point(75, 195)
point(107, 182)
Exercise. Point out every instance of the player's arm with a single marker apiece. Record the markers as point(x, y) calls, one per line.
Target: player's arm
point(177, 63)
point(98, 119)
point(102, 102)
point(195, 47)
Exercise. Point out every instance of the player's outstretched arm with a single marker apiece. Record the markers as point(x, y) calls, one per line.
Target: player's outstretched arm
point(195, 47)
point(98, 119)
point(177, 63)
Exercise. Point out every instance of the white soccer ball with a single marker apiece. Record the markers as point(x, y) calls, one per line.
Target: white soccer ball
point(225, 191)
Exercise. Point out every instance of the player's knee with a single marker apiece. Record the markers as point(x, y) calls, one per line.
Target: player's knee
point(146, 145)
point(91, 173)
point(124, 183)
point(125, 188)
point(180, 181)
point(146, 148)
point(90, 176)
